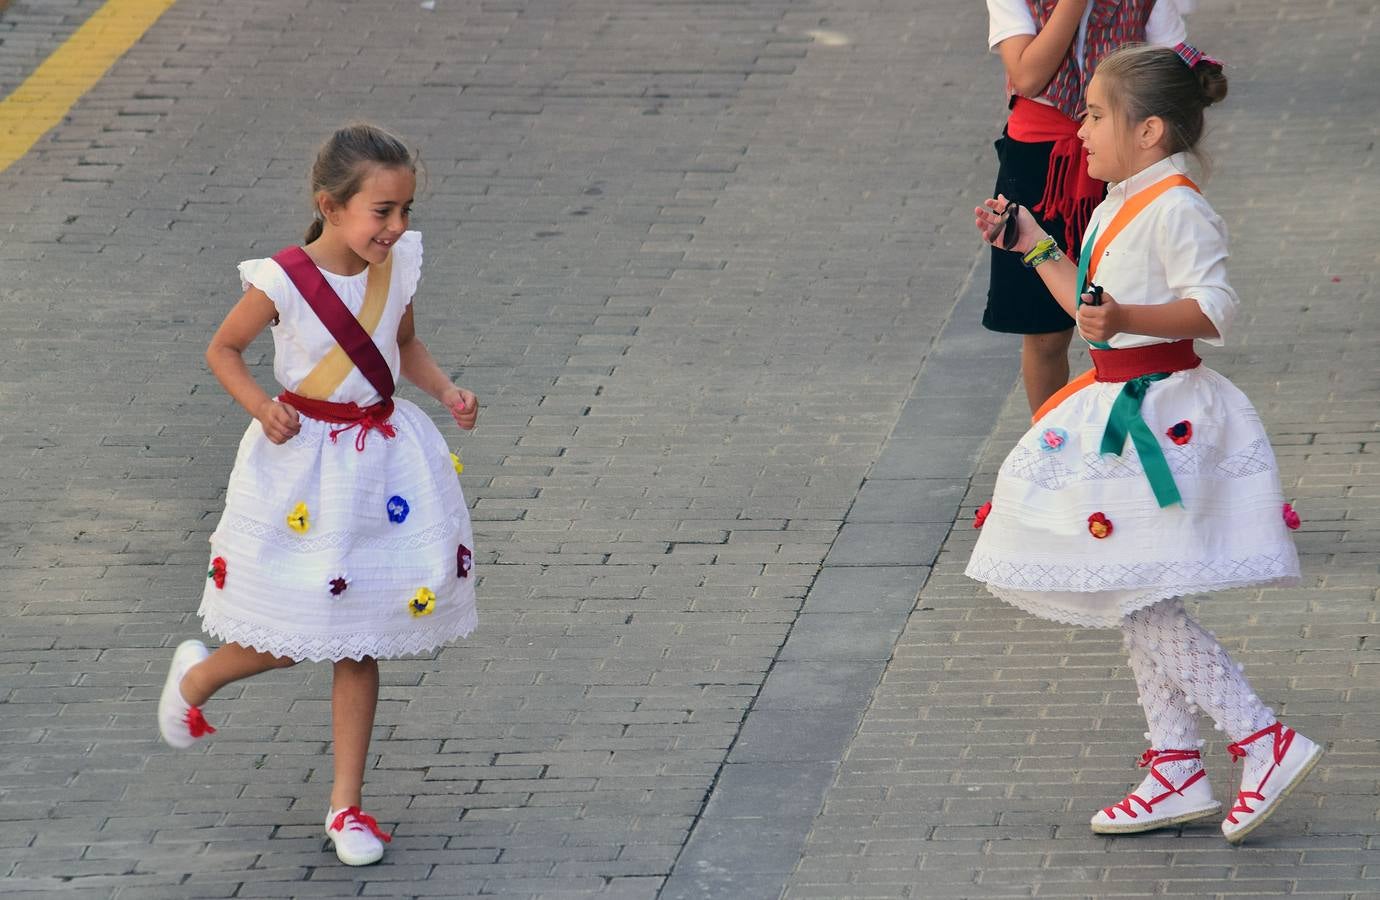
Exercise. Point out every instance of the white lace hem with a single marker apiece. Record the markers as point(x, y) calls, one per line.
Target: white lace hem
point(335, 647)
point(1180, 576)
point(1117, 607)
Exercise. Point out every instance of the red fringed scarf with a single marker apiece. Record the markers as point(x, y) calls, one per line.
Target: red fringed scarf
point(1070, 193)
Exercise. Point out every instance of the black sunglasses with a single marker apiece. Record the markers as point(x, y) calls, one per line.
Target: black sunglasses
point(1007, 228)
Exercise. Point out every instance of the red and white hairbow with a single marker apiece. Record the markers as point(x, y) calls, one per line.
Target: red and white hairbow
point(1191, 55)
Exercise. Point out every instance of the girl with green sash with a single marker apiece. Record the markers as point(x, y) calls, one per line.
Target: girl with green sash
point(1151, 477)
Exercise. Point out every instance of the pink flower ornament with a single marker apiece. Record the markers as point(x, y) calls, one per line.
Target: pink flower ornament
point(1291, 518)
point(1053, 439)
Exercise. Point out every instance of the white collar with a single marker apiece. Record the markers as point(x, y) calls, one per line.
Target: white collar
point(1175, 164)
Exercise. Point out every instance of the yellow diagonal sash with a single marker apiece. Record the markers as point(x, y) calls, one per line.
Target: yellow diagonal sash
point(336, 366)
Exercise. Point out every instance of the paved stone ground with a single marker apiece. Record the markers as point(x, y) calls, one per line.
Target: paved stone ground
point(702, 268)
point(29, 31)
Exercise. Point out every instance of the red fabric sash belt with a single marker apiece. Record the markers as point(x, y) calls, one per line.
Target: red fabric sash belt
point(1133, 362)
point(351, 415)
point(1070, 192)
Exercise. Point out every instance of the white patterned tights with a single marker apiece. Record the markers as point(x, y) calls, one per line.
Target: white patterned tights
point(1180, 667)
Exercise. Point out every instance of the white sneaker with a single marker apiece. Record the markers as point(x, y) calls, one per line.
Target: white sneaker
point(1158, 802)
point(180, 723)
point(357, 837)
point(1266, 782)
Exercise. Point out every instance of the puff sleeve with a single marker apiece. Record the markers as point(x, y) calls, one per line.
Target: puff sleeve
point(1192, 243)
point(269, 277)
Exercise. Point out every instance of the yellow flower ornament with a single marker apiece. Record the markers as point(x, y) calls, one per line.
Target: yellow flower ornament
point(422, 603)
point(455, 461)
point(299, 520)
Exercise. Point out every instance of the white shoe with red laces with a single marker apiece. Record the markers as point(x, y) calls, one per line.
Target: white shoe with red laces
point(1268, 780)
point(180, 723)
point(357, 837)
point(1159, 802)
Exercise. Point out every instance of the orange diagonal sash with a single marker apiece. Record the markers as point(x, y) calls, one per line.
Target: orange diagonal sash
point(336, 366)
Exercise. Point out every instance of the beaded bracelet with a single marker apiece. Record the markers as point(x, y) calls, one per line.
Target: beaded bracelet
point(1042, 252)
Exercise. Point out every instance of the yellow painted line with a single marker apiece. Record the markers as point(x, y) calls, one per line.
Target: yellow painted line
point(70, 71)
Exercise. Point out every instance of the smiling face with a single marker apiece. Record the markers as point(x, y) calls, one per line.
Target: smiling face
point(363, 229)
point(1099, 134)
point(1117, 148)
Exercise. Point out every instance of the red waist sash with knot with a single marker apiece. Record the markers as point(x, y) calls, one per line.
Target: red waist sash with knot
point(1070, 192)
point(350, 415)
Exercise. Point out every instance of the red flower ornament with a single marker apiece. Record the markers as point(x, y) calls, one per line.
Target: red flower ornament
point(217, 573)
point(338, 585)
point(1291, 518)
point(1181, 433)
point(1099, 526)
point(981, 515)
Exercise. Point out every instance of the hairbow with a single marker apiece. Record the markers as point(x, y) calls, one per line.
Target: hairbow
point(1191, 55)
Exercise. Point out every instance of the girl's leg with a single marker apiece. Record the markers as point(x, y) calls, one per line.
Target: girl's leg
point(1182, 653)
point(1044, 365)
point(228, 663)
point(1173, 722)
point(1176, 789)
point(354, 696)
point(1276, 758)
point(193, 676)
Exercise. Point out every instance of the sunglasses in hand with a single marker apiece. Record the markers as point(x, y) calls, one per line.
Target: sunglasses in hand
point(1007, 228)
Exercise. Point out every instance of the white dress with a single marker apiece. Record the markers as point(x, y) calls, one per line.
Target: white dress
point(1037, 549)
point(381, 564)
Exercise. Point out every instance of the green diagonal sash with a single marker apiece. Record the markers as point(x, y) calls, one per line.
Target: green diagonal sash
point(1083, 258)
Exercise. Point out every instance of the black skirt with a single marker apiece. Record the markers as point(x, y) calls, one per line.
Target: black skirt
point(1017, 300)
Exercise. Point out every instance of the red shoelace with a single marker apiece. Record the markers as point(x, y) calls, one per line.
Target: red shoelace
point(1153, 758)
point(368, 821)
point(1283, 738)
point(196, 723)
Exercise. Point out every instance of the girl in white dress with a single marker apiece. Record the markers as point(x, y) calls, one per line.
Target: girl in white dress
point(345, 535)
point(1150, 478)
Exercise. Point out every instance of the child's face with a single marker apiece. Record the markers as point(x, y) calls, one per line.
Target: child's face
point(377, 214)
point(1101, 137)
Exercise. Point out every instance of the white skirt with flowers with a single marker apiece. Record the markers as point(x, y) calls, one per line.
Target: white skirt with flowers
point(1077, 536)
point(326, 552)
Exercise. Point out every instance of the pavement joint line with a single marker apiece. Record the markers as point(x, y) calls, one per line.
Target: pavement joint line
point(76, 66)
point(682, 881)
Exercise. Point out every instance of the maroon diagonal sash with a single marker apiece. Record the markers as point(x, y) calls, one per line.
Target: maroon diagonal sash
point(337, 318)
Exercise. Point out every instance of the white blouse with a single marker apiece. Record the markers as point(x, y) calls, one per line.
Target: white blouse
point(1175, 248)
point(300, 341)
point(1165, 27)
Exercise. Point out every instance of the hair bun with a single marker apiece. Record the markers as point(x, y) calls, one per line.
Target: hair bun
point(1211, 81)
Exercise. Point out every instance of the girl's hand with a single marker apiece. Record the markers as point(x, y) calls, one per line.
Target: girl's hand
point(1100, 323)
point(280, 421)
point(463, 406)
point(990, 219)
